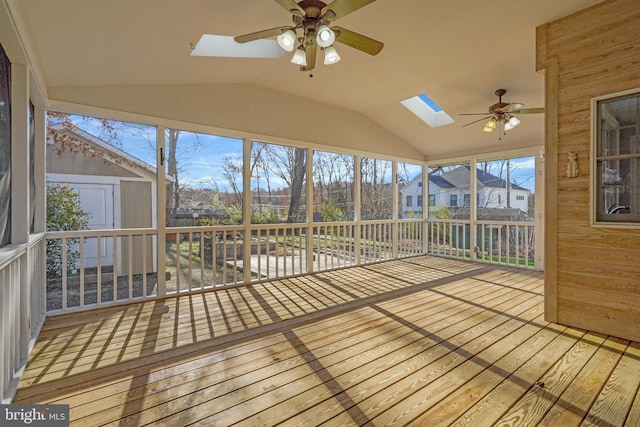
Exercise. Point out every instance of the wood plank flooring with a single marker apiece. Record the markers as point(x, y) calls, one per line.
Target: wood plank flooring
point(423, 341)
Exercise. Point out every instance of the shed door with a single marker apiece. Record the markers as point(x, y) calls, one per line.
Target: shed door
point(98, 201)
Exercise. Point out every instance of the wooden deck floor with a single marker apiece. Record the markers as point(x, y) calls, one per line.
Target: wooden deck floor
point(423, 341)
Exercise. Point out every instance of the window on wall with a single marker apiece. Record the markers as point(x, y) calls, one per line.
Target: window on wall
point(32, 168)
point(617, 158)
point(278, 183)
point(409, 178)
point(100, 175)
point(333, 188)
point(376, 189)
point(105, 168)
point(445, 184)
point(506, 189)
point(204, 179)
point(5, 149)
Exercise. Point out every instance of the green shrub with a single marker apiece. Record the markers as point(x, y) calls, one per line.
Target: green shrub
point(63, 214)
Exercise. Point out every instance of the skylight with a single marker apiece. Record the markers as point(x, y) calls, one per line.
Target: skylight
point(427, 110)
point(227, 47)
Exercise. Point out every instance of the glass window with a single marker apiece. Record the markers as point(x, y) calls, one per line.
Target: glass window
point(101, 175)
point(106, 167)
point(278, 184)
point(617, 166)
point(204, 179)
point(410, 189)
point(376, 189)
point(333, 189)
point(506, 189)
point(467, 200)
point(445, 184)
point(5, 149)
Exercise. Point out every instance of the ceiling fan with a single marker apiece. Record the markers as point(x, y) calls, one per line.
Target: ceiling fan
point(502, 114)
point(311, 30)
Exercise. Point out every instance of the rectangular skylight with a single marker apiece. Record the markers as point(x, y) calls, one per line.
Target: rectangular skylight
point(227, 47)
point(427, 110)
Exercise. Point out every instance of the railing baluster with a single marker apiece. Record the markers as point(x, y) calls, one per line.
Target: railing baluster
point(143, 237)
point(190, 263)
point(114, 273)
point(130, 266)
point(202, 263)
point(99, 270)
point(82, 258)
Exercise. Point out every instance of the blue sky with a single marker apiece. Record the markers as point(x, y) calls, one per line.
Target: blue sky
point(202, 157)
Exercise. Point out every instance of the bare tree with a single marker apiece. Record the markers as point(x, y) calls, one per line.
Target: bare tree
point(375, 192)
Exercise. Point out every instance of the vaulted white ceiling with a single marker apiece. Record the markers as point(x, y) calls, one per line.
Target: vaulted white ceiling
point(458, 52)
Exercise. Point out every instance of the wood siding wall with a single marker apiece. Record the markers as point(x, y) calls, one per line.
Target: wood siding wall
point(592, 277)
point(82, 164)
point(135, 211)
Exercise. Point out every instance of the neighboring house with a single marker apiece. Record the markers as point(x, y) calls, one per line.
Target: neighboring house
point(116, 189)
point(411, 195)
point(452, 189)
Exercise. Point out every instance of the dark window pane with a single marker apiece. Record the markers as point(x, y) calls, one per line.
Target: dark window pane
point(5, 149)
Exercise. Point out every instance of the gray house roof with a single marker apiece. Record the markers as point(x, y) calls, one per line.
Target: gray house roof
point(460, 177)
point(440, 181)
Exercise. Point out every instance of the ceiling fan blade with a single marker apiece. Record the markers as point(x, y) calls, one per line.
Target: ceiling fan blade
point(512, 106)
point(472, 114)
point(528, 111)
point(358, 41)
point(339, 8)
point(479, 120)
point(291, 7)
point(311, 57)
point(264, 34)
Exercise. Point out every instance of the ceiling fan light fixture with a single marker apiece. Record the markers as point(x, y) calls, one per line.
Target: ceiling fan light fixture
point(487, 129)
point(326, 36)
point(331, 55)
point(511, 123)
point(287, 40)
point(491, 124)
point(300, 57)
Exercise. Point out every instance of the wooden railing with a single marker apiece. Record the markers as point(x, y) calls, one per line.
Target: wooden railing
point(22, 309)
point(495, 242)
point(113, 266)
point(95, 268)
point(410, 237)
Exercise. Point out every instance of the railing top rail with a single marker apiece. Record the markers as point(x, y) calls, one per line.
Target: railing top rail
point(452, 221)
point(376, 221)
point(100, 233)
point(483, 222)
point(521, 223)
point(10, 253)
